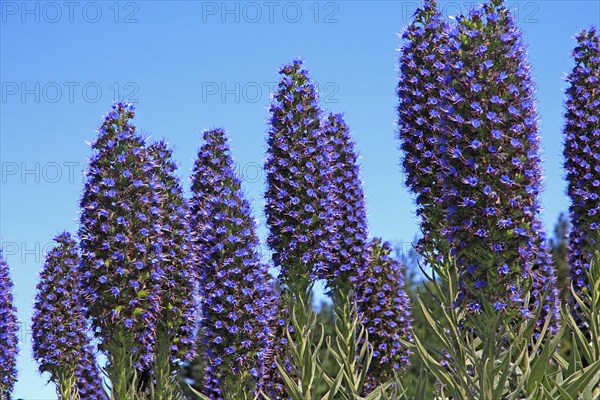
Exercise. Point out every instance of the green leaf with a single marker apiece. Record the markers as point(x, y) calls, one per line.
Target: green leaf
point(577, 383)
point(540, 365)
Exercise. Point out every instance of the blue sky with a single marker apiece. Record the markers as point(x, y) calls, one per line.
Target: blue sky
point(195, 65)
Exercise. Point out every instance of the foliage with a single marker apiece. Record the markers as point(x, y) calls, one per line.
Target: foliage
point(560, 253)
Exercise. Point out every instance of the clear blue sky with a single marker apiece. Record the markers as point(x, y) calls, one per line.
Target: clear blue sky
point(195, 65)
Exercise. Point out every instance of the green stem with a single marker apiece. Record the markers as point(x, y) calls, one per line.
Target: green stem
point(348, 340)
point(120, 369)
point(66, 387)
point(307, 372)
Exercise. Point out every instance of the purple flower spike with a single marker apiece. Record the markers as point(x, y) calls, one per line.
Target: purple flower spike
point(347, 203)
point(297, 169)
point(8, 332)
point(421, 90)
point(239, 305)
point(114, 213)
point(174, 265)
point(501, 175)
point(137, 247)
point(582, 154)
point(385, 312)
point(61, 343)
point(469, 133)
point(363, 266)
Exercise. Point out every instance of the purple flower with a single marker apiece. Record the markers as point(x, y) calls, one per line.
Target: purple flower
point(61, 343)
point(239, 304)
point(8, 332)
point(347, 202)
point(359, 265)
point(511, 122)
point(172, 255)
point(297, 147)
point(385, 312)
point(470, 180)
point(419, 95)
point(524, 246)
point(582, 154)
point(156, 237)
point(504, 269)
point(487, 64)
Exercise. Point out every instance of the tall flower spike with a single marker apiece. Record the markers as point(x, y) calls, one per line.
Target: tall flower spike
point(175, 262)
point(492, 177)
point(363, 267)
point(385, 311)
point(8, 332)
point(61, 343)
point(347, 202)
point(117, 239)
point(421, 90)
point(297, 186)
point(582, 154)
point(238, 306)
point(134, 252)
point(297, 201)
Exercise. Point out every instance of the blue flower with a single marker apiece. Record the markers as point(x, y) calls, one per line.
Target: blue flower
point(467, 162)
point(292, 154)
point(146, 220)
point(236, 281)
point(8, 332)
point(421, 105)
point(61, 344)
point(487, 64)
point(582, 154)
point(385, 311)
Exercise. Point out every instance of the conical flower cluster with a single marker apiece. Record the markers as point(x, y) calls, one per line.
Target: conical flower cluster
point(582, 154)
point(488, 162)
point(315, 190)
point(362, 266)
point(297, 178)
point(350, 255)
point(176, 256)
point(239, 304)
point(493, 177)
point(421, 91)
point(61, 342)
point(133, 240)
point(385, 312)
point(117, 203)
point(9, 328)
